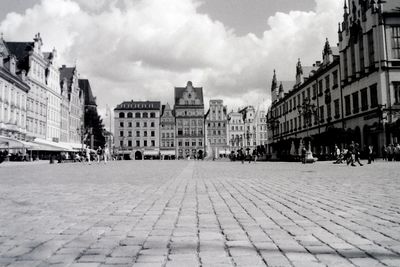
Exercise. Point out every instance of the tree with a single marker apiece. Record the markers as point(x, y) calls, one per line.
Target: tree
point(94, 126)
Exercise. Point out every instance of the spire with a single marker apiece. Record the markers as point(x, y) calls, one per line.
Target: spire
point(274, 81)
point(345, 6)
point(281, 91)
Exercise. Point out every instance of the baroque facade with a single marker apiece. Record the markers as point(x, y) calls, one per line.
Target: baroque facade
point(167, 132)
point(216, 129)
point(235, 131)
point(189, 115)
point(13, 95)
point(31, 61)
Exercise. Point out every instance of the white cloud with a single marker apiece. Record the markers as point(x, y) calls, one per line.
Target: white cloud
point(144, 49)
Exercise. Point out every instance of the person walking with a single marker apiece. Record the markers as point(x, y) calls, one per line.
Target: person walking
point(357, 154)
point(384, 153)
point(106, 153)
point(88, 155)
point(99, 153)
point(303, 155)
point(397, 152)
point(370, 154)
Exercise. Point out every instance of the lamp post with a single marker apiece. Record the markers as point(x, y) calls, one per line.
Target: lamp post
point(307, 110)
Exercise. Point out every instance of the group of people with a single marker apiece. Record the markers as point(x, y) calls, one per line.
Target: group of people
point(391, 152)
point(99, 155)
point(352, 154)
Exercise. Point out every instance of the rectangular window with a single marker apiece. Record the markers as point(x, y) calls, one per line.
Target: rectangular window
point(364, 99)
point(328, 111)
point(193, 143)
point(137, 124)
point(356, 106)
point(347, 104)
point(153, 133)
point(153, 143)
point(373, 94)
point(137, 133)
point(396, 88)
point(145, 143)
point(321, 113)
point(129, 143)
point(396, 42)
point(337, 108)
point(362, 58)
point(353, 59)
point(145, 133)
point(129, 133)
point(137, 143)
point(121, 133)
point(314, 87)
point(327, 83)
point(345, 65)
point(121, 143)
point(335, 79)
point(121, 124)
point(371, 49)
point(320, 88)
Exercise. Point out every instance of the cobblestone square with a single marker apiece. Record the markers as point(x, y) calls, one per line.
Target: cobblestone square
point(192, 213)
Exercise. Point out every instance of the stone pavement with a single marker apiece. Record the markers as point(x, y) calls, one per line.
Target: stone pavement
point(186, 213)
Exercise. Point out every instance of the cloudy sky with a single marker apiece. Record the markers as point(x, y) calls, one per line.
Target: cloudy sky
point(142, 49)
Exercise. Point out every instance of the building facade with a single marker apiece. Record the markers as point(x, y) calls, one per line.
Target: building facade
point(167, 133)
point(261, 128)
point(235, 131)
point(249, 115)
point(189, 116)
point(70, 81)
point(369, 43)
point(137, 132)
point(312, 109)
point(52, 75)
point(13, 95)
point(216, 129)
point(31, 60)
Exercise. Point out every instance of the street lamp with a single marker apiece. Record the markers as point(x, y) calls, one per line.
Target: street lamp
point(307, 111)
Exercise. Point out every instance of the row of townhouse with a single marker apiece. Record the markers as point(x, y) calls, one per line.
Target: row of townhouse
point(150, 129)
point(352, 95)
point(39, 101)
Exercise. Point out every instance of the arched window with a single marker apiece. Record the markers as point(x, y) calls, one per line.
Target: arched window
point(137, 115)
point(152, 115)
point(121, 115)
point(145, 115)
point(129, 114)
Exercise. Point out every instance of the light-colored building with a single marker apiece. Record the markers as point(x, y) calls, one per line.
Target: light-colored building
point(31, 60)
point(13, 94)
point(369, 43)
point(311, 110)
point(189, 117)
point(249, 115)
point(235, 131)
point(52, 75)
point(216, 129)
point(69, 78)
point(137, 132)
point(261, 128)
point(167, 133)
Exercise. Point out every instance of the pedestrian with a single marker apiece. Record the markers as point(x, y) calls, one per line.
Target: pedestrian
point(390, 152)
point(303, 155)
point(337, 155)
point(357, 154)
point(397, 152)
point(99, 153)
point(88, 155)
point(384, 153)
point(370, 154)
point(106, 153)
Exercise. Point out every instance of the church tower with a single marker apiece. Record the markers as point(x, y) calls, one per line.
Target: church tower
point(274, 88)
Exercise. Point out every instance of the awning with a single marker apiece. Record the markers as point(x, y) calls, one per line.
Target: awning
point(167, 152)
point(11, 143)
point(44, 145)
point(151, 153)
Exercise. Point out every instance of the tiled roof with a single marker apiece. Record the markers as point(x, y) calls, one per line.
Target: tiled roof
point(21, 50)
point(90, 100)
point(179, 91)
